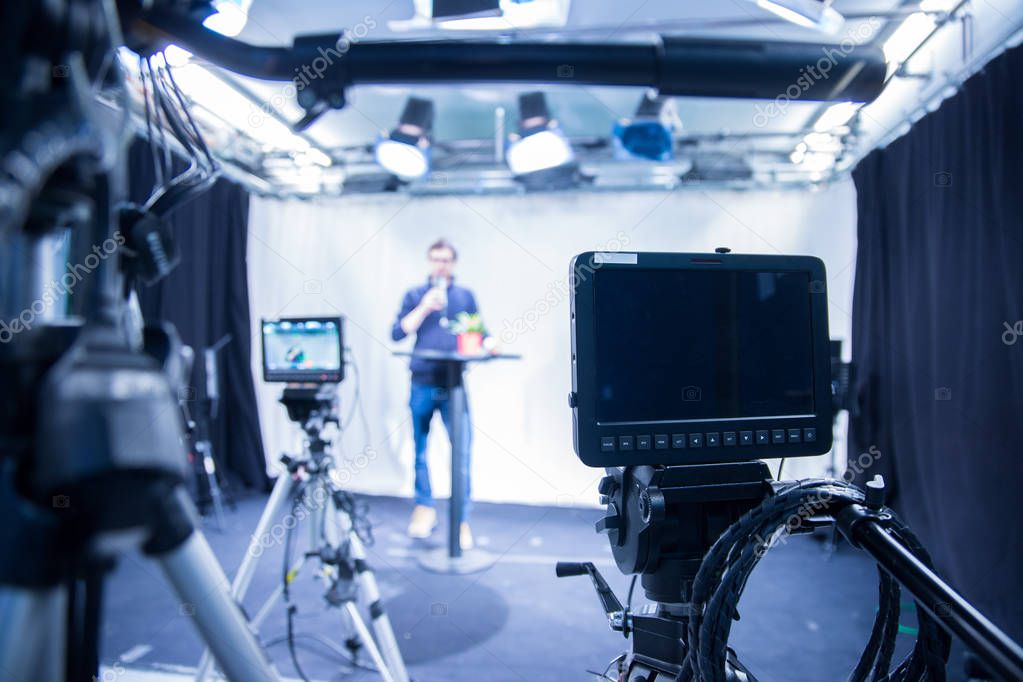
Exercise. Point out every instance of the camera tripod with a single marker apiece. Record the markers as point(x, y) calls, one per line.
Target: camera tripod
point(91, 459)
point(99, 472)
point(336, 536)
point(695, 533)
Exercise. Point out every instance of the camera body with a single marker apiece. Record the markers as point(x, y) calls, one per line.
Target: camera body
point(683, 358)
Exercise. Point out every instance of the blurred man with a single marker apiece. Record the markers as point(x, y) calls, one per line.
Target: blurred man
point(427, 311)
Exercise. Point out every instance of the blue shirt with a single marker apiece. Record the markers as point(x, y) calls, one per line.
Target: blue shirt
point(431, 335)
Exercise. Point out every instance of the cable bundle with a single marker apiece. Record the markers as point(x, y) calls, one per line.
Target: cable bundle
point(166, 109)
point(726, 568)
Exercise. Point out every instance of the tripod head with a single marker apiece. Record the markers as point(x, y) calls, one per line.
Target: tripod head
point(644, 506)
point(661, 522)
point(312, 407)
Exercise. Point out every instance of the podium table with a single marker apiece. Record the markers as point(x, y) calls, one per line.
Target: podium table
point(453, 558)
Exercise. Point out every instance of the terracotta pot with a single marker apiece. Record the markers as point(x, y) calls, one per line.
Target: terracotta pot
point(470, 343)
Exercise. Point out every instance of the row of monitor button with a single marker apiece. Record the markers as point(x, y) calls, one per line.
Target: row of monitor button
point(678, 441)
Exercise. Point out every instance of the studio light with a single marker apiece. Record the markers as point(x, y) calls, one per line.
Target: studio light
point(484, 15)
point(230, 17)
point(406, 151)
point(836, 115)
point(822, 142)
point(908, 37)
point(539, 144)
point(646, 136)
point(815, 14)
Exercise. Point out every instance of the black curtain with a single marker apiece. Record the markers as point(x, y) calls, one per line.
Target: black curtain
point(206, 297)
point(936, 332)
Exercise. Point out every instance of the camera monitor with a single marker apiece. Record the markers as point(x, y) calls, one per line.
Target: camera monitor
point(698, 358)
point(303, 349)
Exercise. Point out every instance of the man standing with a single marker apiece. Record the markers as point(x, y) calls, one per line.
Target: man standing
point(428, 311)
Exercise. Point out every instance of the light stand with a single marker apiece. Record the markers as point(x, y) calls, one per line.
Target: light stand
point(208, 465)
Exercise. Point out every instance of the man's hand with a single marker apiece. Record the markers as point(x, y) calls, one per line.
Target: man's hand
point(433, 300)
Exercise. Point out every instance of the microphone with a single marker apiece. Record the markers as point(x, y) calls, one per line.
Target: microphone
point(441, 284)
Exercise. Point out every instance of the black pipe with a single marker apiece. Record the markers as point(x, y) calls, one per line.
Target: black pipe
point(949, 609)
point(674, 66)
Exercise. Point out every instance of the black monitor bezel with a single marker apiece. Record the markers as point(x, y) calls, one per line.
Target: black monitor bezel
point(304, 376)
point(587, 432)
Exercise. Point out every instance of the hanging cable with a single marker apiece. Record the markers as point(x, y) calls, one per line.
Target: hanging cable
point(166, 110)
point(726, 568)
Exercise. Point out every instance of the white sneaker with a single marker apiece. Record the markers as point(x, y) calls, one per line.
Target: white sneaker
point(465, 536)
point(423, 521)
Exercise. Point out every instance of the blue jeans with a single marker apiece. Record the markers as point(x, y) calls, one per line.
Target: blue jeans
point(424, 401)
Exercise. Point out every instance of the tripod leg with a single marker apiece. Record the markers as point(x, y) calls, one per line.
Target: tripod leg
point(369, 592)
point(199, 581)
point(32, 628)
point(274, 508)
point(327, 527)
point(264, 610)
point(368, 641)
point(381, 623)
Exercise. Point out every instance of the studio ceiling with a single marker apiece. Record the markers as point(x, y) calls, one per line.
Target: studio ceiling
point(729, 132)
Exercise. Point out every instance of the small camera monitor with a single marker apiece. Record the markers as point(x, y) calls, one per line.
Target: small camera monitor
point(303, 350)
point(698, 358)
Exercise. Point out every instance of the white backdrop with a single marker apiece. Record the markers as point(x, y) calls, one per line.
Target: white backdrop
point(356, 257)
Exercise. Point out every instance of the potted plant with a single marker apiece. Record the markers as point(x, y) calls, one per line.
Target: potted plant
point(470, 330)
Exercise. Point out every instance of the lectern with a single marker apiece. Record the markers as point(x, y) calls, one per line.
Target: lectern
point(454, 559)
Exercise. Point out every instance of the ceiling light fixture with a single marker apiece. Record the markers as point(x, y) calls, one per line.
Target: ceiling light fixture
point(907, 38)
point(539, 144)
point(646, 136)
point(815, 14)
point(230, 17)
point(406, 151)
point(835, 116)
point(484, 15)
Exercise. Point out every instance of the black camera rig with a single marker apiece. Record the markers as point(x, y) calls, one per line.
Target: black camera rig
point(688, 509)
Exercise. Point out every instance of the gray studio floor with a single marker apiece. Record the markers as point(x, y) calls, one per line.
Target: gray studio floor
point(805, 615)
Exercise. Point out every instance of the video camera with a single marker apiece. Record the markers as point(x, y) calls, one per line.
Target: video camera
point(687, 369)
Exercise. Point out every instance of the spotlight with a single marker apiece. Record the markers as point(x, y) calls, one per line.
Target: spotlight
point(809, 13)
point(540, 144)
point(836, 115)
point(646, 136)
point(406, 151)
point(229, 18)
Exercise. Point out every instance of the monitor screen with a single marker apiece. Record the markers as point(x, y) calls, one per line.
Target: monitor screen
point(302, 349)
point(689, 344)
